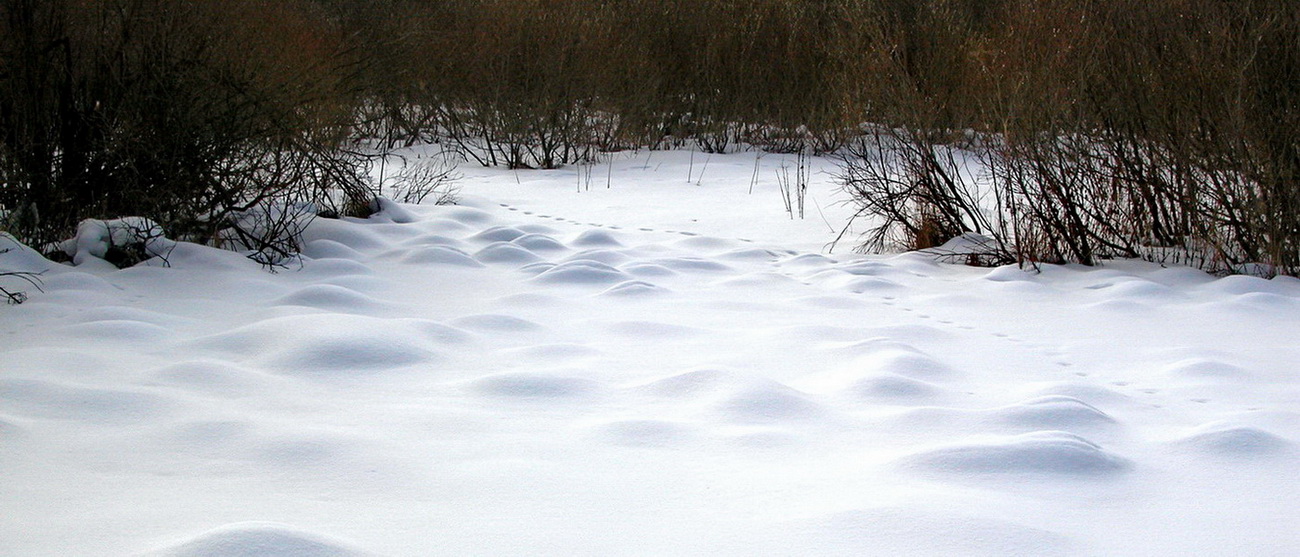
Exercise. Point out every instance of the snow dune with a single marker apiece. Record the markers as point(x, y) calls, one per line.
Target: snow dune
point(659, 367)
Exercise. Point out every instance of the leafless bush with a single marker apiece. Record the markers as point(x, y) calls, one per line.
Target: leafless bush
point(424, 177)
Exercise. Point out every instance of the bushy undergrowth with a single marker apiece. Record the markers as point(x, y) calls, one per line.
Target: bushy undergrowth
point(1070, 130)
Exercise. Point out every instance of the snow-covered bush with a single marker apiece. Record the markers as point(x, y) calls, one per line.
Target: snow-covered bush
point(123, 242)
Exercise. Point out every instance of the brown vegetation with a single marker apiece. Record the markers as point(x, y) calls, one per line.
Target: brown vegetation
point(1071, 130)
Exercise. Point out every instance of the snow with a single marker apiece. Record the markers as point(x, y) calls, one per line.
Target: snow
point(667, 365)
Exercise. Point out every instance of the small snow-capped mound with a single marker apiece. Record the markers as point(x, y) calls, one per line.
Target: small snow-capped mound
point(210, 377)
point(327, 342)
point(596, 238)
point(53, 400)
point(434, 240)
point(552, 353)
point(633, 288)
point(541, 229)
point(1086, 392)
point(1205, 369)
point(835, 278)
point(444, 226)
point(441, 255)
point(770, 403)
point(325, 248)
point(498, 234)
point(1041, 452)
point(736, 397)
point(330, 354)
point(505, 252)
point(644, 433)
point(530, 385)
point(538, 242)
point(807, 261)
point(606, 256)
point(1054, 412)
point(864, 285)
point(119, 330)
point(355, 236)
point(877, 386)
point(647, 270)
point(534, 269)
point(125, 313)
point(582, 272)
point(1243, 284)
point(750, 254)
point(1143, 290)
point(1232, 440)
point(332, 268)
point(258, 539)
point(467, 215)
point(692, 264)
point(867, 268)
point(16, 256)
point(764, 279)
point(437, 332)
point(1009, 273)
point(905, 361)
point(331, 297)
point(496, 323)
point(702, 382)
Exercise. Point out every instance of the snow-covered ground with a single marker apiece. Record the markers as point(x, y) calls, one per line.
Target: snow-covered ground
point(653, 365)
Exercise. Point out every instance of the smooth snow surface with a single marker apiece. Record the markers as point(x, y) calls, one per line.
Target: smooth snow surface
point(664, 366)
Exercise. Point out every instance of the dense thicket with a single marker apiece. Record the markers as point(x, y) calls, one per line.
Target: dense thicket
point(1070, 130)
point(191, 113)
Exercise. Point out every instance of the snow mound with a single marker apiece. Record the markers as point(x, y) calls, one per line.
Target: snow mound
point(440, 255)
point(893, 386)
point(505, 252)
point(606, 256)
point(211, 377)
point(596, 238)
point(497, 323)
point(342, 354)
point(1041, 452)
point(535, 386)
point(120, 331)
point(1234, 440)
point(1055, 412)
point(538, 243)
point(1205, 369)
point(632, 289)
point(582, 272)
point(468, 215)
point(259, 539)
point(37, 398)
point(331, 297)
point(499, 234)
point(769, 403)
point(905, 361)
point(692, 264)
point(329, 249)
point(647, 270)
